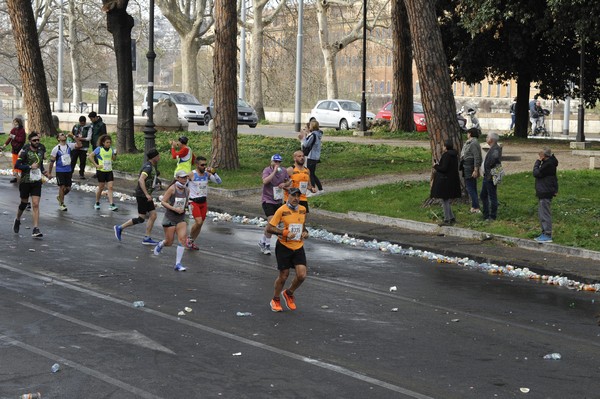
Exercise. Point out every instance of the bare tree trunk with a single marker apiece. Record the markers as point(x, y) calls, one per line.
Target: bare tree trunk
point(224, 138)
point(434, 76)
point(256, 97)
point(328, 54)
point(120, 24)
point(31, 67)
point(74, 54)
point(522, 111)
point(402, 99)
point(189, 65)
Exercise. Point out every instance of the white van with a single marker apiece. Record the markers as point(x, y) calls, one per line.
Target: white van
point(188, 106)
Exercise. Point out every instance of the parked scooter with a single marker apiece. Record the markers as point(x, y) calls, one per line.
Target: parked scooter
point(462, 121)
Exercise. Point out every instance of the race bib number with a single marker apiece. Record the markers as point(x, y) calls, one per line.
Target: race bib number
point(107, 165)
point(65, 159)
point(35, 174)
point(277, 193)
point(303, 187)
point(203, 189)
point(179, 203)
point(296, 229)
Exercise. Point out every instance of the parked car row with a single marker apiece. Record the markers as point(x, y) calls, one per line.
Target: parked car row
point(190, 109)
point(335, 113)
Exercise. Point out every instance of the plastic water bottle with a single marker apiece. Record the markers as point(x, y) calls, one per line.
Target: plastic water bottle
point(55, 367)
point(553, 356)
point(36, 395)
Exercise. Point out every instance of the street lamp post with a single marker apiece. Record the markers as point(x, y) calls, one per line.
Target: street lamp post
point(299, 44)
point(149, 130)
point(59, 78)
point(363, 101)
point(581, 109)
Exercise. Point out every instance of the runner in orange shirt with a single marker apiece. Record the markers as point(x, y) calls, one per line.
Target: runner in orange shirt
point(300, 176)
point(289, 249)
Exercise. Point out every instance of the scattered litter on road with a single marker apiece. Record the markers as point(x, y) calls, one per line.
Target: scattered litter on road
point(553, 356)
point(324, 307)
point(393, 288)
point(193, 300)
point(394, 309)
point(55, 367)
point(187, 309)
point(139, 304)
point(31, 250)
point(36, 395)
point(455, 320)
point(524, 390)
point(243, 314)
point(236, 354)
point(181, 313)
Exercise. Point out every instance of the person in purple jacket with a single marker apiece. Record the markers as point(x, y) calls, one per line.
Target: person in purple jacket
point(275, 180)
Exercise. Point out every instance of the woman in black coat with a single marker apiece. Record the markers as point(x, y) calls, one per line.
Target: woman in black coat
point(446, 181)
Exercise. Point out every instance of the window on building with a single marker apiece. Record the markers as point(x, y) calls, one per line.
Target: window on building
point(462, 89)
point(478, 88)
point(498, 87)
point(389, 87)
point(508, 90)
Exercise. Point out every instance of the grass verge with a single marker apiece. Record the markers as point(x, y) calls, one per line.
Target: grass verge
point(576, 217)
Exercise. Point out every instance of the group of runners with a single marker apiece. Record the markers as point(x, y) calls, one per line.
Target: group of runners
point(284, 200)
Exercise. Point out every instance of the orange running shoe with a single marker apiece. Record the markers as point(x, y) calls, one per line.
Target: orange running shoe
point(276, 305)
point(288, 300)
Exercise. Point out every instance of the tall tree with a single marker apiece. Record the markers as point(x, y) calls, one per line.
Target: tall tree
point(402, 99)
point(192, 19)
point(224, 138)
point(31, 66)
point(74, 50)
point(432, 68)
point(119, 23)
point(258, 24)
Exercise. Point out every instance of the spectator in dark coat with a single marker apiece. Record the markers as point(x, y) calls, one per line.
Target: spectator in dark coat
point(546, 188)
point(446, 182)
point(471, 164)
point(489, 190)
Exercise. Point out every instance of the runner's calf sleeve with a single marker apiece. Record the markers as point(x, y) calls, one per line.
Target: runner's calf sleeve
point(138, 220)
point(22, 206)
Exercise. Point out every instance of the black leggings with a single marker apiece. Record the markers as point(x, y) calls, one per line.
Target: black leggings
point(311, 164)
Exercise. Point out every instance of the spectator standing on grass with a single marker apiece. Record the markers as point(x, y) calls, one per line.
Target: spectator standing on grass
point(183, 154)
point(311, 147)
point(546, 188)
point(489, 193)
point(275, 180)
point(16, 139)
point(470, 161)
point(513, 113)
point(83, 132)
point(446, 181)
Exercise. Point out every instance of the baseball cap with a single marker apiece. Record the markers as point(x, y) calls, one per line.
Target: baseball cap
point(276, 157)
point(183, 140)
point(294, 191)
point(181, 173)
point(152, 153)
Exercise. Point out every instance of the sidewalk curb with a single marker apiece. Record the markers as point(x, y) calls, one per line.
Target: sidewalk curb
point(461, 233)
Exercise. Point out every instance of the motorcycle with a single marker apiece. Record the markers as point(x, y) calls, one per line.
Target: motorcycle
point(462, 121)
point(540, 126)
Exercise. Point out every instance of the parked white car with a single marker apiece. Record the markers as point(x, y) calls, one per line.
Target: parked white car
point(339, 114)
point(188, 106)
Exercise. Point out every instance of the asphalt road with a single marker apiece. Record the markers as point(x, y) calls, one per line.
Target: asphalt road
point(68, 299)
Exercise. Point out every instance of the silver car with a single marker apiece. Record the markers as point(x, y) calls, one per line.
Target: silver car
point(339, 114)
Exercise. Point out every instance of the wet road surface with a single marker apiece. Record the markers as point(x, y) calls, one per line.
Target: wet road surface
point(457, 333)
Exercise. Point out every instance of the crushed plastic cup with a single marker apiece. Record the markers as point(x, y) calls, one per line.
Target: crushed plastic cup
point(138, 304)
point(243, 314)
point(393, 288)
point(55, 367)
point(553, 356)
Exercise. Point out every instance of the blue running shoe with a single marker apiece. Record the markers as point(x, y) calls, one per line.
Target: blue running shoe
point(158, 248)
point(149, 241)
point(118, 231)
point(543, 238)
point(179, 268)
